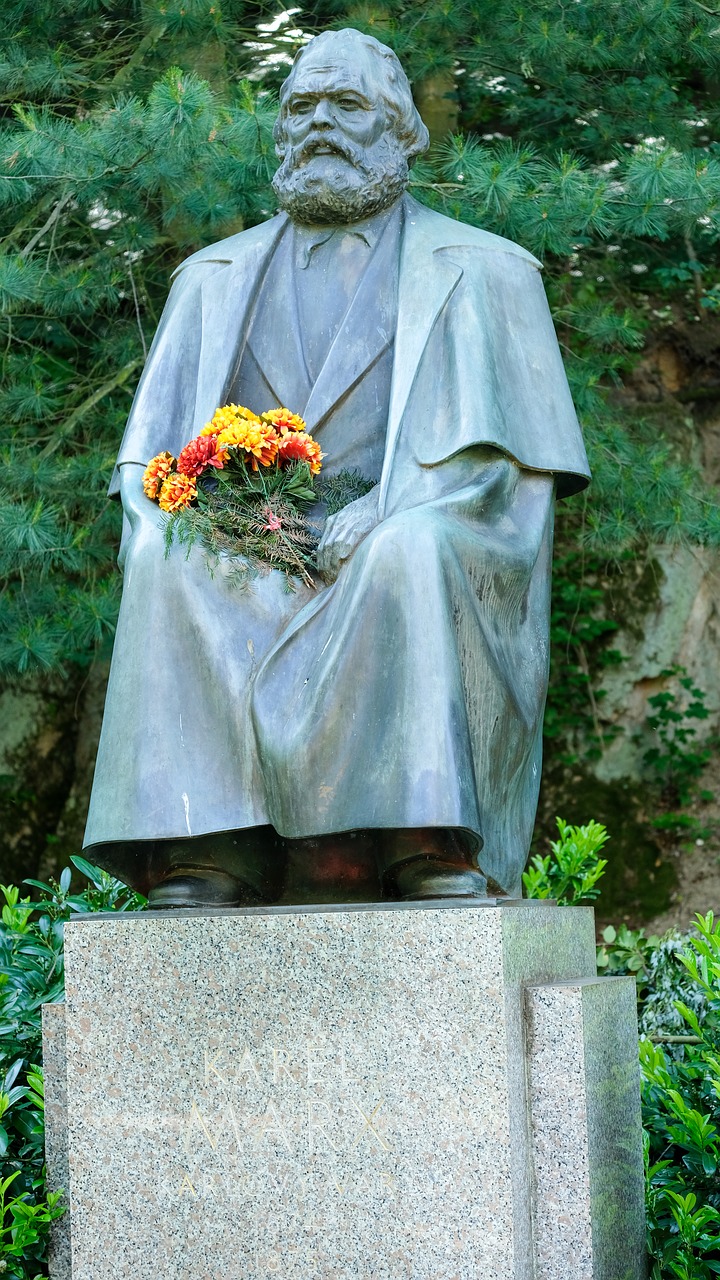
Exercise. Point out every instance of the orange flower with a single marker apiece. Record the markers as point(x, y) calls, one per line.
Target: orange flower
point(298, 446)
point(200, 453)
point(284, 420)
point(177, 491)
point(156, 472)
point(252, 437)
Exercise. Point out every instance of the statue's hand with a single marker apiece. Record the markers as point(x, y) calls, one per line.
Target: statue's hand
point(344, 531)
point(139, 512)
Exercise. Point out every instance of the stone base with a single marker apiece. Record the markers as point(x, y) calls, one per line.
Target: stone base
point(430, 1091)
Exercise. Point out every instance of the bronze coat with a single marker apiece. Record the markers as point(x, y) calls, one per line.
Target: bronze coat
point(411, 691)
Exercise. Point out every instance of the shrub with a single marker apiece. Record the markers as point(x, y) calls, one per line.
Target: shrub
point(32, 974)
point(571, 871)
point(681, 1114)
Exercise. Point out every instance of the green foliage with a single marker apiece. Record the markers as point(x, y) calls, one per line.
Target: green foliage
point(259, 520)
point(232, 521)
point(130, 135)
point(24, 1230)
point(681, 1111)
point(676, 760)
point(103, 892)
point(344, 487)
point(625, 950)
point(32, 974)
point(662, 981)
point(571, 871)
point(579, 635)
point(124, 143)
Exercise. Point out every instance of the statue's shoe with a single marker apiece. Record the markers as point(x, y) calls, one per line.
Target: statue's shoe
point(200, 887)
point(431, 878)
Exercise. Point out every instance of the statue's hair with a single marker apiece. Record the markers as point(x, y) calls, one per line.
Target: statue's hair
point(396, 94)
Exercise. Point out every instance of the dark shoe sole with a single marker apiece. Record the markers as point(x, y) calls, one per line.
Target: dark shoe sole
point(419, 879)
point(200, 888)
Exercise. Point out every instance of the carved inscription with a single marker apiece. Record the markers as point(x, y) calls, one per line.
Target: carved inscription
point(286, 1123)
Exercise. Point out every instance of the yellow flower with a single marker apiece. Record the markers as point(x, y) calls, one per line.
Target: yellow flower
point(156, 472)
point(177, 491)
point(227, 416)
point(253, 437)
point(284, 420)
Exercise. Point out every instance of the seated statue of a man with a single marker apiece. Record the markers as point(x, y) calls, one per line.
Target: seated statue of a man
point(378, 736)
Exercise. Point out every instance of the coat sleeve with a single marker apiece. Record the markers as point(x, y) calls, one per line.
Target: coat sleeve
point(161, 416)
point(493, 374)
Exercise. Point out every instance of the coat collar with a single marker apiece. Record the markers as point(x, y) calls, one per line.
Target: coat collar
point(427, 280)
point(274, 332)
point(228, 300)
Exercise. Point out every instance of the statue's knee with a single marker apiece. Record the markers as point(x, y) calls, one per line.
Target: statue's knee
point(409, 536)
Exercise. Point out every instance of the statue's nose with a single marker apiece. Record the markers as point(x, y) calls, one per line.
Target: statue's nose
point(323, 115)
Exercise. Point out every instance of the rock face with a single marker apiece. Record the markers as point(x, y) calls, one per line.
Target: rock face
point(667, 886)
point(680, 629)
point(666, 605)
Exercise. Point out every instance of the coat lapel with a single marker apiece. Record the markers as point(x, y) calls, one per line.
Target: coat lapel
point(366, 331)
point(427, 281)
point(275, 339)
point(228, 298)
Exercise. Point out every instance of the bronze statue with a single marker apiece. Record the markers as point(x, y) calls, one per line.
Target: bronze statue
point(381, 734)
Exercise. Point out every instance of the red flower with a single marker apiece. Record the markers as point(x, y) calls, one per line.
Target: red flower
point(273, 522)
point(201, 453)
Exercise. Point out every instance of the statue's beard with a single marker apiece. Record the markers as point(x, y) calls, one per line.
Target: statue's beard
point(345, 186)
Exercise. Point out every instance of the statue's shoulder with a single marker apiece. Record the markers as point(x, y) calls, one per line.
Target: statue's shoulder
point(233, 248)
point(448, 233)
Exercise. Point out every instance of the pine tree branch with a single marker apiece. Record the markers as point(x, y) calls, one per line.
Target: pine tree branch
point(584, 666)
point(67, 427)
point(144, 47)
point(55, 214)
point(138, 316)
point(714, 13)
point(438, 186)
point(697, 275)
point(28, 219)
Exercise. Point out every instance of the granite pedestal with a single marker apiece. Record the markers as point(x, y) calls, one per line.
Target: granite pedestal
point(424, 1091)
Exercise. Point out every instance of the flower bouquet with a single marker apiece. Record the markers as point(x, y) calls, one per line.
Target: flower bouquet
point(243, 486)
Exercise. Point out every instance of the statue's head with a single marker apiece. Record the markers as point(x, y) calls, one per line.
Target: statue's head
point(347, 131)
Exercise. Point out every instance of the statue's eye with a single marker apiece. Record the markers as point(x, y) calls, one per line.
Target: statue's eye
point(350, 104)
point(300, 106)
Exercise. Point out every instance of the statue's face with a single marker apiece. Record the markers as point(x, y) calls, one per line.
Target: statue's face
point(342, 161)
point(333, 114)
